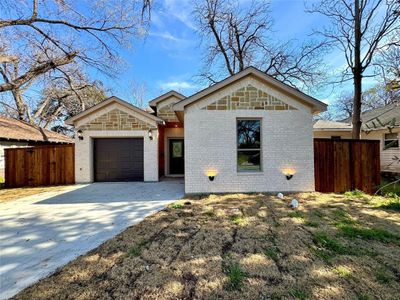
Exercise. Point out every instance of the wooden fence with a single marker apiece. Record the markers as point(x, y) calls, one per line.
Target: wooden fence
point(346, 165)
point(40, 166)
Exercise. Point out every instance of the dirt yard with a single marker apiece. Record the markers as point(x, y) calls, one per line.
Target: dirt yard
point(244, 247)
point(17, 193)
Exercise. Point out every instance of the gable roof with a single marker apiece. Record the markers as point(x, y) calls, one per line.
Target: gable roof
point(165, 96)
point(112, 99)
point(369, 119)
point(317, 105)
point(384, 114)
point(12, 129)
point(325, 125)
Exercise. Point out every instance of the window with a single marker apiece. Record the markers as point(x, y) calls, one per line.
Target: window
point(248, 145)
point(391, 141)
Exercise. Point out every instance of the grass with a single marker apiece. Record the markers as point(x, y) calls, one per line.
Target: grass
point(391, 201)
point(236, 277)
point(342, 271)
point(299, 294)
point(176, 254)
point(387, 188)
point(355, 194)
point(296, 214)
point(377, 234)
point(271, 253)
point(323, 240)
point(311, 223)
point(383, 277)
point(238, 220)
point(177, 206)
point(136, 250)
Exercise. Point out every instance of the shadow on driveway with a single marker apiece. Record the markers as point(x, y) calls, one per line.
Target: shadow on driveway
point(44, 232)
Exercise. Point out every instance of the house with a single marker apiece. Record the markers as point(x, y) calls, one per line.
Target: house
point(16, 133)
point(381, 124)
point(247, 133)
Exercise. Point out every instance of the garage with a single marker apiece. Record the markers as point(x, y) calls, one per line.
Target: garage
point(118, 159)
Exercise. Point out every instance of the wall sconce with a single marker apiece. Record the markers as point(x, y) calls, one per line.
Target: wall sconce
point(150, 133)
point(79, 133)
point(211, 174)
point(288, 172)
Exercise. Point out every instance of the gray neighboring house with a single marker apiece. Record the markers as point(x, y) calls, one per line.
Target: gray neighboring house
point(381, 124)
point(16, 133)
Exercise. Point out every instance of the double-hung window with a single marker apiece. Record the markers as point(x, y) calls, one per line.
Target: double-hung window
point(391, 141)
point(248, 145)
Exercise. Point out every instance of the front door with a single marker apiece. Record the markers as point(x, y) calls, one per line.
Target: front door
point(176, 157)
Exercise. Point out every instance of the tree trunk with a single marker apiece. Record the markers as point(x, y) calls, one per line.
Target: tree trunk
point(357, 106)
point(357, 73)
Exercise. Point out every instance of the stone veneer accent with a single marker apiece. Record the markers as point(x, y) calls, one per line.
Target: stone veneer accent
point(116, 120)
point(167, 113)
point(249, 98)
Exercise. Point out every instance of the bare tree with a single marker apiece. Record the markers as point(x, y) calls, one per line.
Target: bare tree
point(238, 36)
point(388, 67)
point(360, 28)
point(138, 93)
point(39, 40)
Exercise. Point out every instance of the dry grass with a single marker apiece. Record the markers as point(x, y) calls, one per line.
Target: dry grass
point(242, 247)
point(17, 193)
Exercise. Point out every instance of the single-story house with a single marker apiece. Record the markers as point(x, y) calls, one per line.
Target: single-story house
point(247, 133)
point(381, 124)
point(16, 133)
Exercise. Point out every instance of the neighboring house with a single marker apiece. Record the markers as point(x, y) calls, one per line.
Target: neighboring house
point(381, 124)
point(15, 133)
point(243, 134)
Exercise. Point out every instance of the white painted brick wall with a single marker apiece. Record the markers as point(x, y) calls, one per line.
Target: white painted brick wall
point(84, 153)
point(210, 142)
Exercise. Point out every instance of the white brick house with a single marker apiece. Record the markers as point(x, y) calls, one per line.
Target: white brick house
point(247, 133)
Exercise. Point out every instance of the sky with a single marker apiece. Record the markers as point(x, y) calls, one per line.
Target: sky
point(170, 56)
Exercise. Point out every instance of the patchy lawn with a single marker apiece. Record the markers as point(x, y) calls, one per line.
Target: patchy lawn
point(17, 193)
point(243, 247)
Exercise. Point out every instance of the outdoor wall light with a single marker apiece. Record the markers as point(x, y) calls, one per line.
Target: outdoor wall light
point(150, 133)
point(288, 172)
point(79, 133)
point(211, 174)
point(289, 176)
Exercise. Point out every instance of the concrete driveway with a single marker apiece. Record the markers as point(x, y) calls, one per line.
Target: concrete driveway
point(43, 232)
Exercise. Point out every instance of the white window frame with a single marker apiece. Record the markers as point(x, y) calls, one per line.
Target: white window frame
point(390, 140)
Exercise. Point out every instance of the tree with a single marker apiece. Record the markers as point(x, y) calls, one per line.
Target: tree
point(360, 29)
point(238, 36)
point(42, 41)
point(138, 92)
point(388, 67)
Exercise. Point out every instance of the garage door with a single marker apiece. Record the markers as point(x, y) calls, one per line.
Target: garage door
point(118, 159)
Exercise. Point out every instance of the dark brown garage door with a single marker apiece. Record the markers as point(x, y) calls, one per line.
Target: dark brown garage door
point(118, 159)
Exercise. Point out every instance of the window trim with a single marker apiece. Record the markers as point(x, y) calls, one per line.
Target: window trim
point(396, 139)
point(261, 170)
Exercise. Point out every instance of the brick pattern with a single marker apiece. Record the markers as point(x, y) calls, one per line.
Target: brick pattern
point(167, 113)
point(250, 98)
point(117, 120)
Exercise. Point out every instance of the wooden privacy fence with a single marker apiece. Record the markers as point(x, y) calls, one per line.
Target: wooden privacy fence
point(40, 165)
point(346, 165)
